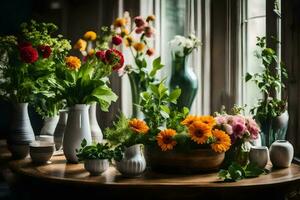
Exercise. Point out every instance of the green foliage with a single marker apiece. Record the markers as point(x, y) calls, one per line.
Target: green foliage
point(94, 151)
point(121, 134)
point(268, 81)
point(236, 172)
point(104, 38)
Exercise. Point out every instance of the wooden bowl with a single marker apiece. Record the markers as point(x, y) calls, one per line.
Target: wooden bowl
point(193, 161)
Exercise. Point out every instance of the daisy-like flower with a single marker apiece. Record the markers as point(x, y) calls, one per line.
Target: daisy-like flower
point(120, 22)
point(80, 45)
point(209, 120)
point(128, 40)
point(139, 46)
point(222, 141)
point(90, 35)
point(138, 126)
point(165, 139)
point(199, 132)
point(189, 120)
point(73, 62)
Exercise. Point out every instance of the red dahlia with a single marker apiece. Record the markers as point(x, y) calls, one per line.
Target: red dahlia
point(45, 50)
point(117, 40)
point(101, 55)
point(115, 58)
point(29, 54)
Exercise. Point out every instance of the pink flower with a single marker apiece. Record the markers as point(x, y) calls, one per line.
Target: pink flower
point(239, 129)
point(228, 129)
point(149, 31)
point(252, 128)
point(139, 30)
point(117, 40)
point(221, 119)
point(139, 21)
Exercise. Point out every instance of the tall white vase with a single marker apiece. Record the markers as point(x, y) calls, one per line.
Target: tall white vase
point(133, 162)
point(97, 135)
point(77, 129)
point(60, 129)
point(49, 126)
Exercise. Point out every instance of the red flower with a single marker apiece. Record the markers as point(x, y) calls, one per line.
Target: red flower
point(24, 44)
point(45, 50)
point(115, 58)
point(150, 52)
point(29, 54)
point(101, 55)
point(149, 31)
point(139, 21)
point(116, 40)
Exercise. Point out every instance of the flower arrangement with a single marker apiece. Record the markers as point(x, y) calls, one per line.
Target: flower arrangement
point(183, 46)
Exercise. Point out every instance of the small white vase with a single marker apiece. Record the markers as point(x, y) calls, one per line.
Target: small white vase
point(49, 126)
point(60, 129)
point(259, 155)
point(133, 163)
point(97, 135)
point(77, 129)
point(96, 167)
point(281, 154)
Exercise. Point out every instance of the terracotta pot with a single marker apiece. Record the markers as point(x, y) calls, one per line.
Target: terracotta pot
point(198, 160)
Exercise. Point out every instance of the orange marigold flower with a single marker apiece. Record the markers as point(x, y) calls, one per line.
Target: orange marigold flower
point(222, 141)
point(139, 46)
point(209, 120)
point(120, 22)
point(90, 35)
point(124, 32)
point(199, 132)
point(73, 62)
point(165, 139)
point(150, 18)
point(80, 45)
point(91, 52)
point(189, 120)
point(138, 126)
point(128, 41)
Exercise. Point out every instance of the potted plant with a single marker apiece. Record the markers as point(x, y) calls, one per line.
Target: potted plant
point(127, 135)
point(96, 157)
point(183, 75)
point(271, 110)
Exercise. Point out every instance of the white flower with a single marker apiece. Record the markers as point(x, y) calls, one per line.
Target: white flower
point(182, 46)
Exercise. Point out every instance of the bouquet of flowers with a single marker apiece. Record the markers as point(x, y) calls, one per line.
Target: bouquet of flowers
point(183, 46)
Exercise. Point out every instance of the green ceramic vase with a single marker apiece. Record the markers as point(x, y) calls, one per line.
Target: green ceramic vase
point(184, 78)
point(136, 88)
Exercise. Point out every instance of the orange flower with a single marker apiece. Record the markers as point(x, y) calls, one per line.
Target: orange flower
point(120, 22)
point(91, 52)
point(189, 120)
point(222, 141)
point(90, 35)
point(209, 120)
point(80, 45)
point(124, 32)
point(139, 46)
point(128, 41)
point(165, 139)
point(73, 62)
point(138, 126)
point(150, 18)
point(199, 132)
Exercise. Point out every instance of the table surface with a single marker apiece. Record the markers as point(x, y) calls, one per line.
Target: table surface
point(59, 170)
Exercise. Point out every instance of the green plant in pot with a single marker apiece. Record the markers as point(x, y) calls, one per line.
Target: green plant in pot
point(96, 157)
point(270, 111)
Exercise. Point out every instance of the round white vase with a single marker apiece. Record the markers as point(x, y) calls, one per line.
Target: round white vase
point(281, 154)
point(259, 155)
point(77, 129)
point(49, 126)
point(133, 163)
point(60, 129)
point(97, 135)
point(96, 167)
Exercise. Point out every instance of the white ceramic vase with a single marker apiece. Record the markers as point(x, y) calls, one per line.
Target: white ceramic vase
point(259, 155)
point(133, 162)
point(77, 129)
point(281, 154)
point(49, 126)
point(97, 135)
point(96, 167)
point(60, 129)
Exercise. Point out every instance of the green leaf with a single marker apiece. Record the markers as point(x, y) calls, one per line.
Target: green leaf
point(156, 65)
point(248, 77)
point(174, 95)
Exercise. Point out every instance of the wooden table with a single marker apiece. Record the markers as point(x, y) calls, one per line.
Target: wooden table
point(59, 178)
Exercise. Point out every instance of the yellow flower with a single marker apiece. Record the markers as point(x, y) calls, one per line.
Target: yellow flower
point(90, 35)
point(91, 52)
point(165, 139)
point(209, 120)
point(150, 18)
point(222, 141)
point(138, 126)
point(80, 45)
point(73, 62)
point(139, 46)
point(124, 32)
point(119, 22)
point(189, 120)
point(199, 132)
point(128, 41)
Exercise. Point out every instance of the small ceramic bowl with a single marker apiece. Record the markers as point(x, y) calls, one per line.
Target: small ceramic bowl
point(44, 138)
point(96, 167)
point(19, 151)
point(41, 151)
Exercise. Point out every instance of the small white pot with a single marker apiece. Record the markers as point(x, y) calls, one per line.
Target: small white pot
point(259, 155)
point(281, 153)
point(133, 163)
point(96, 167)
